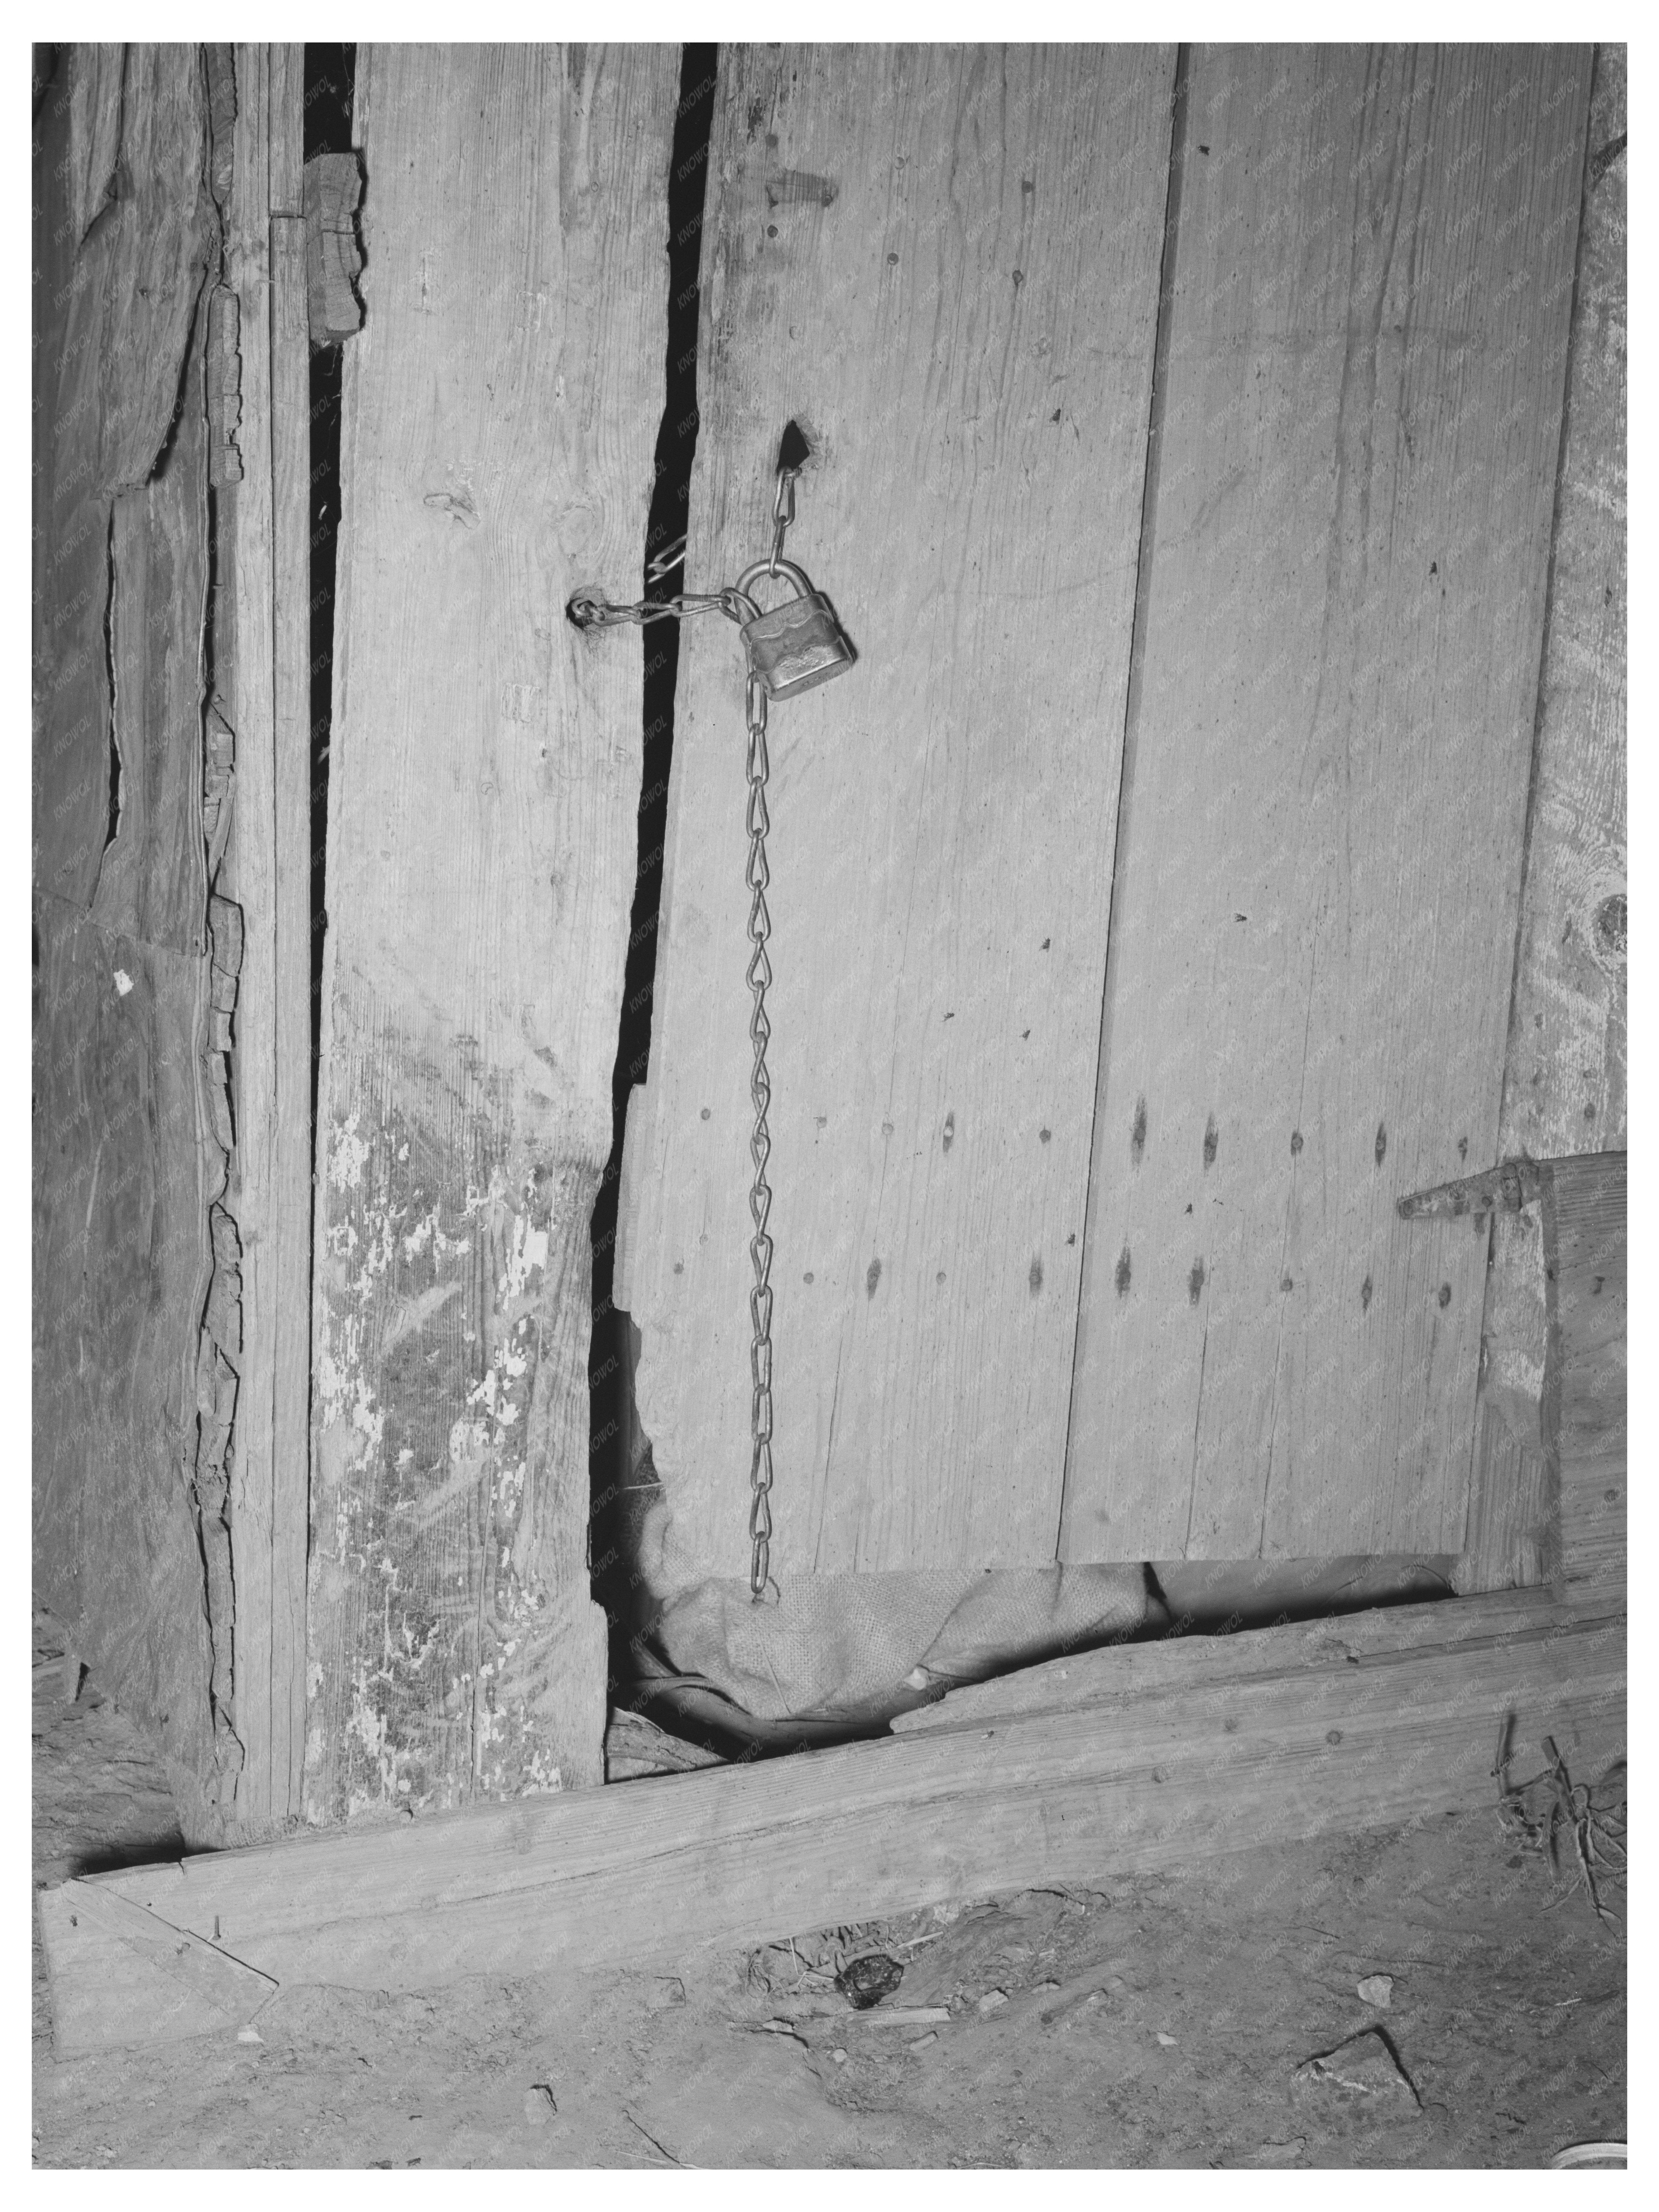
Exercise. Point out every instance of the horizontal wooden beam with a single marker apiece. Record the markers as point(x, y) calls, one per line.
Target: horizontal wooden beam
point(1170, 1752)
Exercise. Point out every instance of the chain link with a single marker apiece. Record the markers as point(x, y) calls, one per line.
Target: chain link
point(588, 609)
point(783, 513)
point(760, 1091)
point(760, 1151)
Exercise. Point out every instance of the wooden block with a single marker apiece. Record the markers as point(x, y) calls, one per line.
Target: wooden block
point(224, 384)
point(1513, 1535)
point(333, 186)
point(1312, 1744)
point(1584, 1396)
point(484, 793)
point(944, 262)
point(120, 1977)
point(1320, 841)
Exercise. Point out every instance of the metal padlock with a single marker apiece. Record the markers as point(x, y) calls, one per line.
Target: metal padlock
point(792, 647)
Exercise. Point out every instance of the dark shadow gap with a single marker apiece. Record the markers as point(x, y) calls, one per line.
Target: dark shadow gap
point(113, 820)
point(329, 81)
point(619, 1464)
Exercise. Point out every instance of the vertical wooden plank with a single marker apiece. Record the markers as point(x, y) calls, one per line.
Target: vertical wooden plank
point(290, 443)
point(267, 515)
point(1564, 1074)
point(944, 262)
point(246, 508)
point(1320, 861)
point(499, 410)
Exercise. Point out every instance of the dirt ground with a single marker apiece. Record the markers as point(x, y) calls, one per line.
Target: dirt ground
point(1169, 2021)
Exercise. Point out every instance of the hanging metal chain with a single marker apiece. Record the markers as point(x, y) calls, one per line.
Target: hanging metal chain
point(589, 609)
point(760, 1151)
point(760, 1091)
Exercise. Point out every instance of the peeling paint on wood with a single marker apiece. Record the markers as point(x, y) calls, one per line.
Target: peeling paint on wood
point(450, 1462)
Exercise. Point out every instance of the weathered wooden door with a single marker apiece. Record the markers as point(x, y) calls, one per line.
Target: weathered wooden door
point(1052, 1282)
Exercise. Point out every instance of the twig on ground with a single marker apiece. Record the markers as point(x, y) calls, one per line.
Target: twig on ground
point(1597, 1830)
point(652, 2140)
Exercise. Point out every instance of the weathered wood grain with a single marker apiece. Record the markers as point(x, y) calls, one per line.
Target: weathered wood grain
point(122, 1149)
point(1315, 1651)
point(499, 410)
point(119, 1220)
point(1200, 1764)
point(944, 261)
point(114, 320)
point(1326, 771)
point(96, 71)
point(1564, 1073)
point(265, 673)
point(153, 881)
point(114, 312)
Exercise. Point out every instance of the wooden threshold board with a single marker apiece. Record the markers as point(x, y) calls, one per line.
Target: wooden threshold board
point(1146, 1755)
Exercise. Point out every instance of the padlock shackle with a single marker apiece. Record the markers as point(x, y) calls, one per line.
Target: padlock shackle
point(737, 606)
point(797, 575)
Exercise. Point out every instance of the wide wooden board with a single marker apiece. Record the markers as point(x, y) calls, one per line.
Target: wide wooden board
point(499, 410)
point(1320, 860)
point(944, 262)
